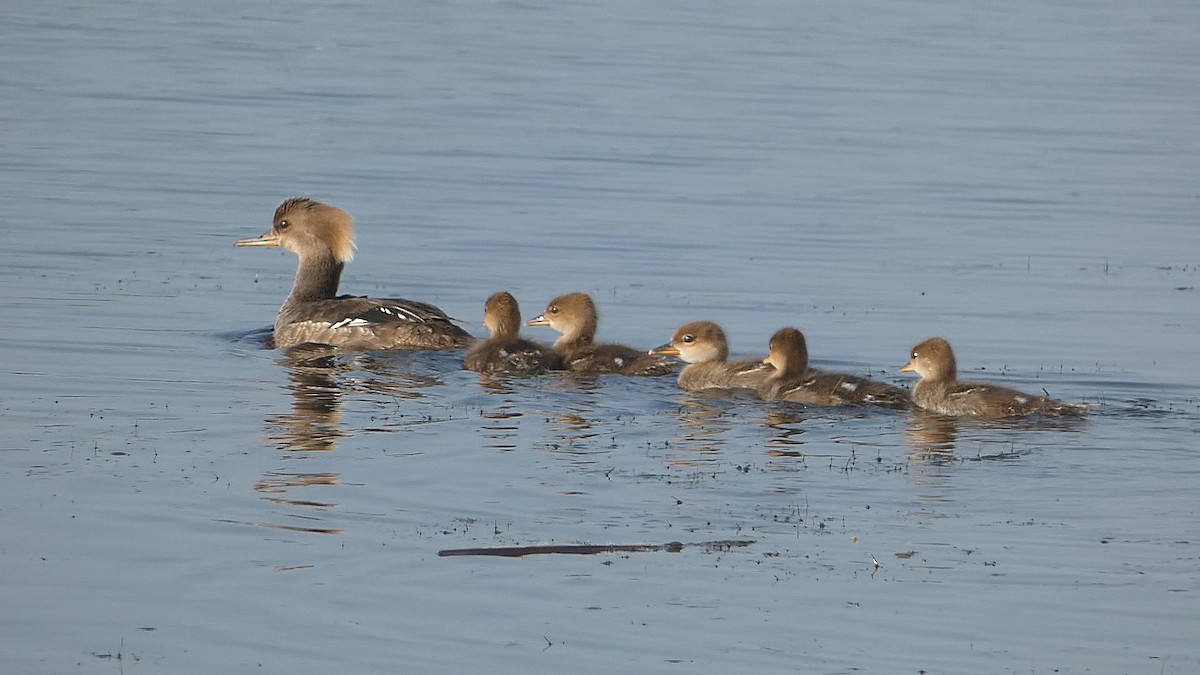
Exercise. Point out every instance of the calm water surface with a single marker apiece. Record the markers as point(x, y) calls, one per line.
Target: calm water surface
point(1020, 179)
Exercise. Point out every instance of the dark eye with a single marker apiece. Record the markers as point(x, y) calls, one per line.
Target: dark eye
point(554, 310)
point(914, 355)
point(283, 225)
point(688, 339)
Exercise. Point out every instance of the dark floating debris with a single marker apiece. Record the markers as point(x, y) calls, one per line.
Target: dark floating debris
point(999, 456)
point(591, 549)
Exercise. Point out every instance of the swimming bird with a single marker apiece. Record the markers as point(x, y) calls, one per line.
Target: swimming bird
point(939, 389)
point(795, 381)
point(322, 237)
point(574, 315)
point(702, 345)
point(506, 351)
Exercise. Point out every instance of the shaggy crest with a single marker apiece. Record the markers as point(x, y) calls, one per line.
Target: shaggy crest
point(330, 224)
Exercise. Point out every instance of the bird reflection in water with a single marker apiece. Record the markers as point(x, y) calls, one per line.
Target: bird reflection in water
point(496, 384)
point(938, 437)
point(931, 439)
point(564, 402)
point(276, 483)
point(938, 444)
point(568, 408)
point(788, 436)
point(318, 378)
point(501, 426)
point(702, 425)
point(312, 423)
point(930, 434)
point(569, 432)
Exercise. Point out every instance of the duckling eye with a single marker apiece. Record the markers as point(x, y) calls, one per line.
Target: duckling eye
point(553, 310)
point(688, 339)
point(283, 225)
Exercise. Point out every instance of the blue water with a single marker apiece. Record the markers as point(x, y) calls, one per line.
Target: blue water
point(1020, 179)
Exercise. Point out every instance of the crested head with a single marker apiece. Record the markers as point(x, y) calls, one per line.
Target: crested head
point(700, 341)
point(789, 352)
point(933, 359)
point(307, 227)
point(502, 315)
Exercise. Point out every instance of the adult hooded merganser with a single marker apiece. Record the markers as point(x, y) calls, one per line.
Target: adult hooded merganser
point(702, 345)
point(506, 351)
point(940, 391)
point(795, 381)
point(574, 315)
point(322, 236)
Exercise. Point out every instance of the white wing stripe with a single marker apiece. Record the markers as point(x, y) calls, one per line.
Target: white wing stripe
point(349, 323)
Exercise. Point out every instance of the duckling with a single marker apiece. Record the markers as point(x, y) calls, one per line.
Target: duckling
point(702, 345)
point(574, 315)
point(322, 236)
point(506, 351)
point(795, 381)
point(939, 389)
